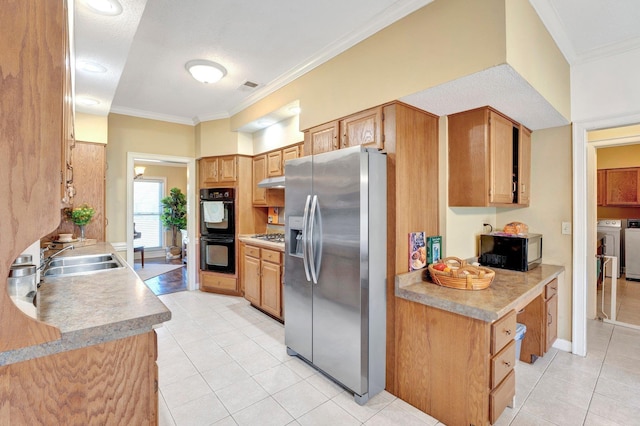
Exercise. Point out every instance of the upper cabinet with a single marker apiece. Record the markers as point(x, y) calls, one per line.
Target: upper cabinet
point(322, 138)
point(216, 170)
point(271, 164)
point(602, 187)
point(623, 187)
point(363, 128)
point(489, 160)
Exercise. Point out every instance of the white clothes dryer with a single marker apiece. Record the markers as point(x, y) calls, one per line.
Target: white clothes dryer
point(611, 229)
point(632, 249)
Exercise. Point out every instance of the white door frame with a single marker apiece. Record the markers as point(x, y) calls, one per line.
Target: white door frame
point(191, 209)
point(584, 222)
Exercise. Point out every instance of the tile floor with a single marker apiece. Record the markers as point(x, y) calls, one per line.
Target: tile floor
point(222, 362)
point(627, 301)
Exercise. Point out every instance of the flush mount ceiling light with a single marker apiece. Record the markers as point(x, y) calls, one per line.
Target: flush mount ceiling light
point(205, 71)
point(87, 101)
point(91, 66)
point(295, 110)
point(105, 7)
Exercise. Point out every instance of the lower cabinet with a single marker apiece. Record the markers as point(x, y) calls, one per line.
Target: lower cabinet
point(218, 283)
point(457, 369)
point(540, 317)
point(262, 279)
point(108, 383)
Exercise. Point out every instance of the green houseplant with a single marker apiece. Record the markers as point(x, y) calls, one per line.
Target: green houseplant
point(174, 216)
point(80, 216)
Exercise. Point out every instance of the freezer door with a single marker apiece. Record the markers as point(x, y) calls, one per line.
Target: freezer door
point(297, 288)
point(339, 302)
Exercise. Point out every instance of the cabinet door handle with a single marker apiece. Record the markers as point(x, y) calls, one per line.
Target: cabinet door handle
point(514, 188)
point(550, 319)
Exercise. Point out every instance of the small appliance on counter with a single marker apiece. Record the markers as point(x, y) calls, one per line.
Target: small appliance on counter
point(511, 251)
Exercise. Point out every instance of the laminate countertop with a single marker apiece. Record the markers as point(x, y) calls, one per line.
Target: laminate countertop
point(93, 308)
point(249, 239)
point(509, 290)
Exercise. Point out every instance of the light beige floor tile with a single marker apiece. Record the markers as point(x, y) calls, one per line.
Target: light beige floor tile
point(241, 394)
point(258, 362)
point(185, 390)
point(264, 413)
point(507, 416)
point(621, 375)
point(202, 411)
point(227, 421)
point(230, 338)
point(552, 387)
point(614, 410)
point(220, 327)
point(300, 398)
point(174, 369)
point(595, 420)
point(225, 375)
point(164, 414)
point(300, 367)
point(279, 352)
point(363, 412)
point(328, 413)
point(549, 408)
point(526, 419)
point(277, 378)
point(243, 350)
point(618, 391)
point(324, 384)
point(400, 413)
point(628, 361)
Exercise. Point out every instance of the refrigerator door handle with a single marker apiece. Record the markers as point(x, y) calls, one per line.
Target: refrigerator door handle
point(315, 269)
point(305, 236)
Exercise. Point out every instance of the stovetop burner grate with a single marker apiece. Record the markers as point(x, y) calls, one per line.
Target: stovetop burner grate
point(274, 237)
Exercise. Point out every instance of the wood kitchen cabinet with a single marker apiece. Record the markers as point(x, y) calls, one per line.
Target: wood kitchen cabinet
point(323, 138)
point(263, 197)
point(262, 279)
point(623, 187)
point(602, 187)
point(290, 153)
point(274, 164)
point(216, 170)
point(363, 128)
point(108, 383)
point(489, 160)
point(457, 369)
point(540, 317)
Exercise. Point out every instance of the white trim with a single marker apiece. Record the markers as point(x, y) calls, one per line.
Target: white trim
point(192, 205)
point(152, 115)
point(584, 232)
point(563, 345)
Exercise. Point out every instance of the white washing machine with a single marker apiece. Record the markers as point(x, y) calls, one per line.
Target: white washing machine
point(632, 249)
point(611, 229)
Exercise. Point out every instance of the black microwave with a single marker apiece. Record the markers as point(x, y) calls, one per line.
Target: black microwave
point(508, 251)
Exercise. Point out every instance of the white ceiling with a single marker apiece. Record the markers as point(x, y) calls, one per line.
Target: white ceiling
point(272, 42)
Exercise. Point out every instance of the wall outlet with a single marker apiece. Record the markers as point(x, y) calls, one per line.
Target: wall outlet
point(566, 228)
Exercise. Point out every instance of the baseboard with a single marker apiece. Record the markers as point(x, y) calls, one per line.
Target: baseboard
point(563, 345)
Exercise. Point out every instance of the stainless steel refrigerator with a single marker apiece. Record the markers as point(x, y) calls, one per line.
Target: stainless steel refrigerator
point(335, 266)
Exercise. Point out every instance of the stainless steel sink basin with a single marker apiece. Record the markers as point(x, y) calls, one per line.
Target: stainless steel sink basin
point(82, 260)
point(80, 265)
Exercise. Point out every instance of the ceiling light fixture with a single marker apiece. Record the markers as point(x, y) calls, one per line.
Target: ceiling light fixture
point(91, 66)
point(295, 110)
point(205, 71)
point(105, 7)
point(86, 101)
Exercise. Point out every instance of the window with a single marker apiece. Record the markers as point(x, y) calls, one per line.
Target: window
point(147, 209)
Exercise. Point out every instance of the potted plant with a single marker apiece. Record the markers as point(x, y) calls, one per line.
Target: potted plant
point(174, 217)
point(80, 216)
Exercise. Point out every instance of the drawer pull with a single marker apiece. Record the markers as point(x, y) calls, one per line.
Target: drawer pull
point(507, 363)
point(507, 332)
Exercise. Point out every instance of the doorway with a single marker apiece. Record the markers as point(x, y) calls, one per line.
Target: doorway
point(190, 166)
point(584, 220)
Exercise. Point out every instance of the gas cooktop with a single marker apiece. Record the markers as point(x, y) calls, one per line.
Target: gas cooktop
point(274, 238)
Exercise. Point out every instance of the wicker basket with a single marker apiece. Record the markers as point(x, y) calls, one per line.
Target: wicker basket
point(462, 275)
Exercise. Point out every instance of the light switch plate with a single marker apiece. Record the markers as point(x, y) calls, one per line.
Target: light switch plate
point(566, 228)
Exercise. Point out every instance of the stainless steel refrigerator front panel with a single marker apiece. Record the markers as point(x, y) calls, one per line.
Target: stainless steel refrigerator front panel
point(337, 297)
point(298, 291)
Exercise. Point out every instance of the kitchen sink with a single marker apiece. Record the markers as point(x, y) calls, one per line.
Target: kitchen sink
point(78, 265)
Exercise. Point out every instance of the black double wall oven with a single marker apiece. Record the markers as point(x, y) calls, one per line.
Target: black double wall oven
point(217, 230)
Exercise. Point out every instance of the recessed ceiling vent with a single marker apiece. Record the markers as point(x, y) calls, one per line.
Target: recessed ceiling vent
point(248, 85)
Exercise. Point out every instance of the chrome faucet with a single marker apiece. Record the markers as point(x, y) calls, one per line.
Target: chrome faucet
point(46, 261)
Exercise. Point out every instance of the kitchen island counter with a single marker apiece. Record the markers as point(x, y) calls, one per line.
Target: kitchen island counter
point(509, 290)
point(93, 308)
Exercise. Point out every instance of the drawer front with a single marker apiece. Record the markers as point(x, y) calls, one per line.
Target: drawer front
point(252, 251)
point(217, 282)
point(503, 363)
point(551, 289)
point(502, 332)
point(271, 255)
point(502, 396)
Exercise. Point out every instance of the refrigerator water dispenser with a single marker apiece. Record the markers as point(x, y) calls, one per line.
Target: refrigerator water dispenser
point(295, 230)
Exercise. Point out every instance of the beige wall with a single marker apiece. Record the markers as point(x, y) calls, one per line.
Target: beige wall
point(532, 52)
point(278, 135)
point(619, 156)
point(91, 128)
point(551, 204)
point(132, 134)
point(215, 138)
point(443, 41)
